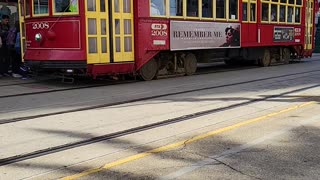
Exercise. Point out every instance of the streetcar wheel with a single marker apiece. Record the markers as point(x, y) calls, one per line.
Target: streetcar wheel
point(266, 59)
point(190, 64)
point(149, 71)
point(286, 55)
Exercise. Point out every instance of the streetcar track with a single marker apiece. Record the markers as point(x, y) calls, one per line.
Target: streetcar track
point(230, 69)
point(99, 85)
point(25, 118)
point(26, 83)
point(64, 89)
point(55, 149)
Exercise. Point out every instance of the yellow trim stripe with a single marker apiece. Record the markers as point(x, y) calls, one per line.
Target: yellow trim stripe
point(182, 143)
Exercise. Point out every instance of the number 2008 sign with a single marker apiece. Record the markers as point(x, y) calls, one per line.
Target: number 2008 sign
point(40, 25)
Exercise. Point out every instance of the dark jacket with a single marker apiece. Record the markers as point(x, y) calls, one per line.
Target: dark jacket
point(4, 29)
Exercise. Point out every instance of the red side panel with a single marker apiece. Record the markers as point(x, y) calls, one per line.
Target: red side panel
point(151, 37)
point(108, 69)
point(61, 40)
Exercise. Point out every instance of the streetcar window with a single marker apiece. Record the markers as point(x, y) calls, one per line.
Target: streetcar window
point(297, 15)
point(102, 5)
point(116, 6)
point(62, 6)
point(290, 14)
point(298, 2)
point(287, 11)
point(128, 44)
point(249, 14)
point(265, 11)
point(92, 30)
point(282, 13)
point(244, 11)
point(93, 45)
point(92, 26)
point(252, 12)
point(207, 8)
point(176, 7)
point(91, 5)
point(158, 7)
point(27, 7)
point(192, 8)
point(274, 14)
point(104, 45)
point(40, 7)
point(221, 9)
point(117, 26)
point(128, 39)
point(127, 6)
point(233, 9)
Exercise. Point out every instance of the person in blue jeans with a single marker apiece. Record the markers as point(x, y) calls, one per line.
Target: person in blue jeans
point(13, 43)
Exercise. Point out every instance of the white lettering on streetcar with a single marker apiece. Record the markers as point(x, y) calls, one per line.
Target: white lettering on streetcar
point(40, 25)
point(159, 30)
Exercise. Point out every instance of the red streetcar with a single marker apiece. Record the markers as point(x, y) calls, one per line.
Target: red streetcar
point(155, 37)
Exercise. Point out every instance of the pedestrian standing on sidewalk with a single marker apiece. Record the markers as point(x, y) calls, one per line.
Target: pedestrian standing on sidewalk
point(14, 55)
point(4, 55)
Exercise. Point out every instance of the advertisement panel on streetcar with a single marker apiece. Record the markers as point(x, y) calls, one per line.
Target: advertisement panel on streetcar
point(203, 35)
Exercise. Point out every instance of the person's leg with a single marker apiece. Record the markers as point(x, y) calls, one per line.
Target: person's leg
point(16, 62)
point(5, 61)
point(2, 59)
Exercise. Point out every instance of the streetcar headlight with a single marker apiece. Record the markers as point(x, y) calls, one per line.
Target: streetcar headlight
point(38, 37)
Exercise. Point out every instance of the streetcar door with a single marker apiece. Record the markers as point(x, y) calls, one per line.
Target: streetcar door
point(98, 39)
point(309, 25)
point(122, 32)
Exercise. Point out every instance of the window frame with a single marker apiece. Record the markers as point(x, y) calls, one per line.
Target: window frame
point(199, 17)
point(249, 3)
point(255, 13)
point(40, 14)
point(286, 4)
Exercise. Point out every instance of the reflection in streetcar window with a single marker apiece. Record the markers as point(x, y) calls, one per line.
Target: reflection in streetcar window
point(233, 9)
point(290, 15)
point(244, 11)
point(207, 8)
point(158, 7)
point(66, 6)
point(252, 12)
point(221, 9)
point(265, 12)
point(192, 8)
point(282, 13)
point(40, 7)
point(176, 8)
point(297, 16)
point(274, 14)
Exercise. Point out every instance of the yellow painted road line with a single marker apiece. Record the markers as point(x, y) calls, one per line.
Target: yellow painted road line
point(182, 143)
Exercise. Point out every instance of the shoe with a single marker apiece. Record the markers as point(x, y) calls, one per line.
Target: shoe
point(6, 75)
point(16, 75)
